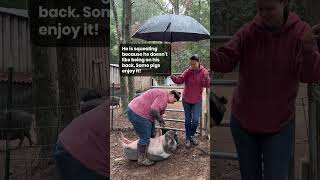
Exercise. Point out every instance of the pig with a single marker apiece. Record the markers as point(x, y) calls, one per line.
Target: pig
point(115, 101)
point(160, 148)
point(163, 131)
point(18, 128)
point(217, 109)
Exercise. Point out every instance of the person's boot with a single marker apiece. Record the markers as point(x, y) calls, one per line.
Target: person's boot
point(188, 144)
point(194, 141)
point(142, 156)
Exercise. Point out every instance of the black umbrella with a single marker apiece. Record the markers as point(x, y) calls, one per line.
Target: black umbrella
point(172, 28)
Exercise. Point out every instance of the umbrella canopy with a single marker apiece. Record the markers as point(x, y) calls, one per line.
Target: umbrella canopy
point(172, 28)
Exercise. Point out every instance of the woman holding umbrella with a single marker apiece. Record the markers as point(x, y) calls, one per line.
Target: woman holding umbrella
point(195, 78)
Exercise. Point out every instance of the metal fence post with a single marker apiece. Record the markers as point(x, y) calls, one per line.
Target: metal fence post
point(112, 94)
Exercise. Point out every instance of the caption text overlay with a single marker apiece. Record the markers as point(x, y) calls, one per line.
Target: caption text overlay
point(72, 23)
point(145, 60)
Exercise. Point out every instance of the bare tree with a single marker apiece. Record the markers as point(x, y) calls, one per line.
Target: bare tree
point(68, 80)
point(127, 16)
point(44, 85)
point(115, 15)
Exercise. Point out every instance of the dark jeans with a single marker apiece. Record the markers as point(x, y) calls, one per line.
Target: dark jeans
point(143, 127)
point(192, 116)
point(69, 168)
point(263, 156)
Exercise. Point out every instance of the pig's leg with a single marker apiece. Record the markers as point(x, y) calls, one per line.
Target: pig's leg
point(124, 140)
point(153, 129)
point(159, 133)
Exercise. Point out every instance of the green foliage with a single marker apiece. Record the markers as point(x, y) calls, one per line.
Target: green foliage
point(200, 11)
point(180, 59)
point(145, 9)
point(142, 10)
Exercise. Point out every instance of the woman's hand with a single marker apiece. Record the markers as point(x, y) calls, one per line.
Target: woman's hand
point(206, 74)
point(310, 37)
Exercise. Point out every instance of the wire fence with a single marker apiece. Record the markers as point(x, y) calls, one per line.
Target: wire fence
point(22, 162)
point(35, 128)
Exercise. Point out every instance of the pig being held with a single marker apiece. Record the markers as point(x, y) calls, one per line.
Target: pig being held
point(160, 147)
point(18, 128)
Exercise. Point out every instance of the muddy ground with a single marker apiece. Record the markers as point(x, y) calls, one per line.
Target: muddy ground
point(23, 163)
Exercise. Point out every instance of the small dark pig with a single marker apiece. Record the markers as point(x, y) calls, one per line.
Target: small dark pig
point(115, 101)
point(217, 109)
point(18, 128)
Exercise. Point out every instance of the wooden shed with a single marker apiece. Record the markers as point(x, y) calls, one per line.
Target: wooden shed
point(140, 82)
point(15, 37)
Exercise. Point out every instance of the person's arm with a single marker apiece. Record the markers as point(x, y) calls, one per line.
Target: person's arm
point(226, 58)
point(206, 79)
point(156, 108)
point(308, 56)
point(156, 115)
point(180, 79)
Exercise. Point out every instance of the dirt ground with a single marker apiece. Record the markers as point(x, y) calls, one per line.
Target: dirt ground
point(190, 164)
point(221, 139)
point(23, 162)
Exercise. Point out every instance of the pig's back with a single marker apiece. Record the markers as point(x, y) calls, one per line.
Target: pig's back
point(155, 150)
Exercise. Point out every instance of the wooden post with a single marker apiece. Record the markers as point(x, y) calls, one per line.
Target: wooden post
point(9, 108)
point(314, 131)
point(112, 94)
point(313, 16)
point(304, 171)
point(208, 112)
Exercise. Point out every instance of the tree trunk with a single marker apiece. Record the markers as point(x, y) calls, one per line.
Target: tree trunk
point(175, 5)
point(45, 101)
point(68, 78)
point(127, 40)
point(127, 84)
point(115, 15)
